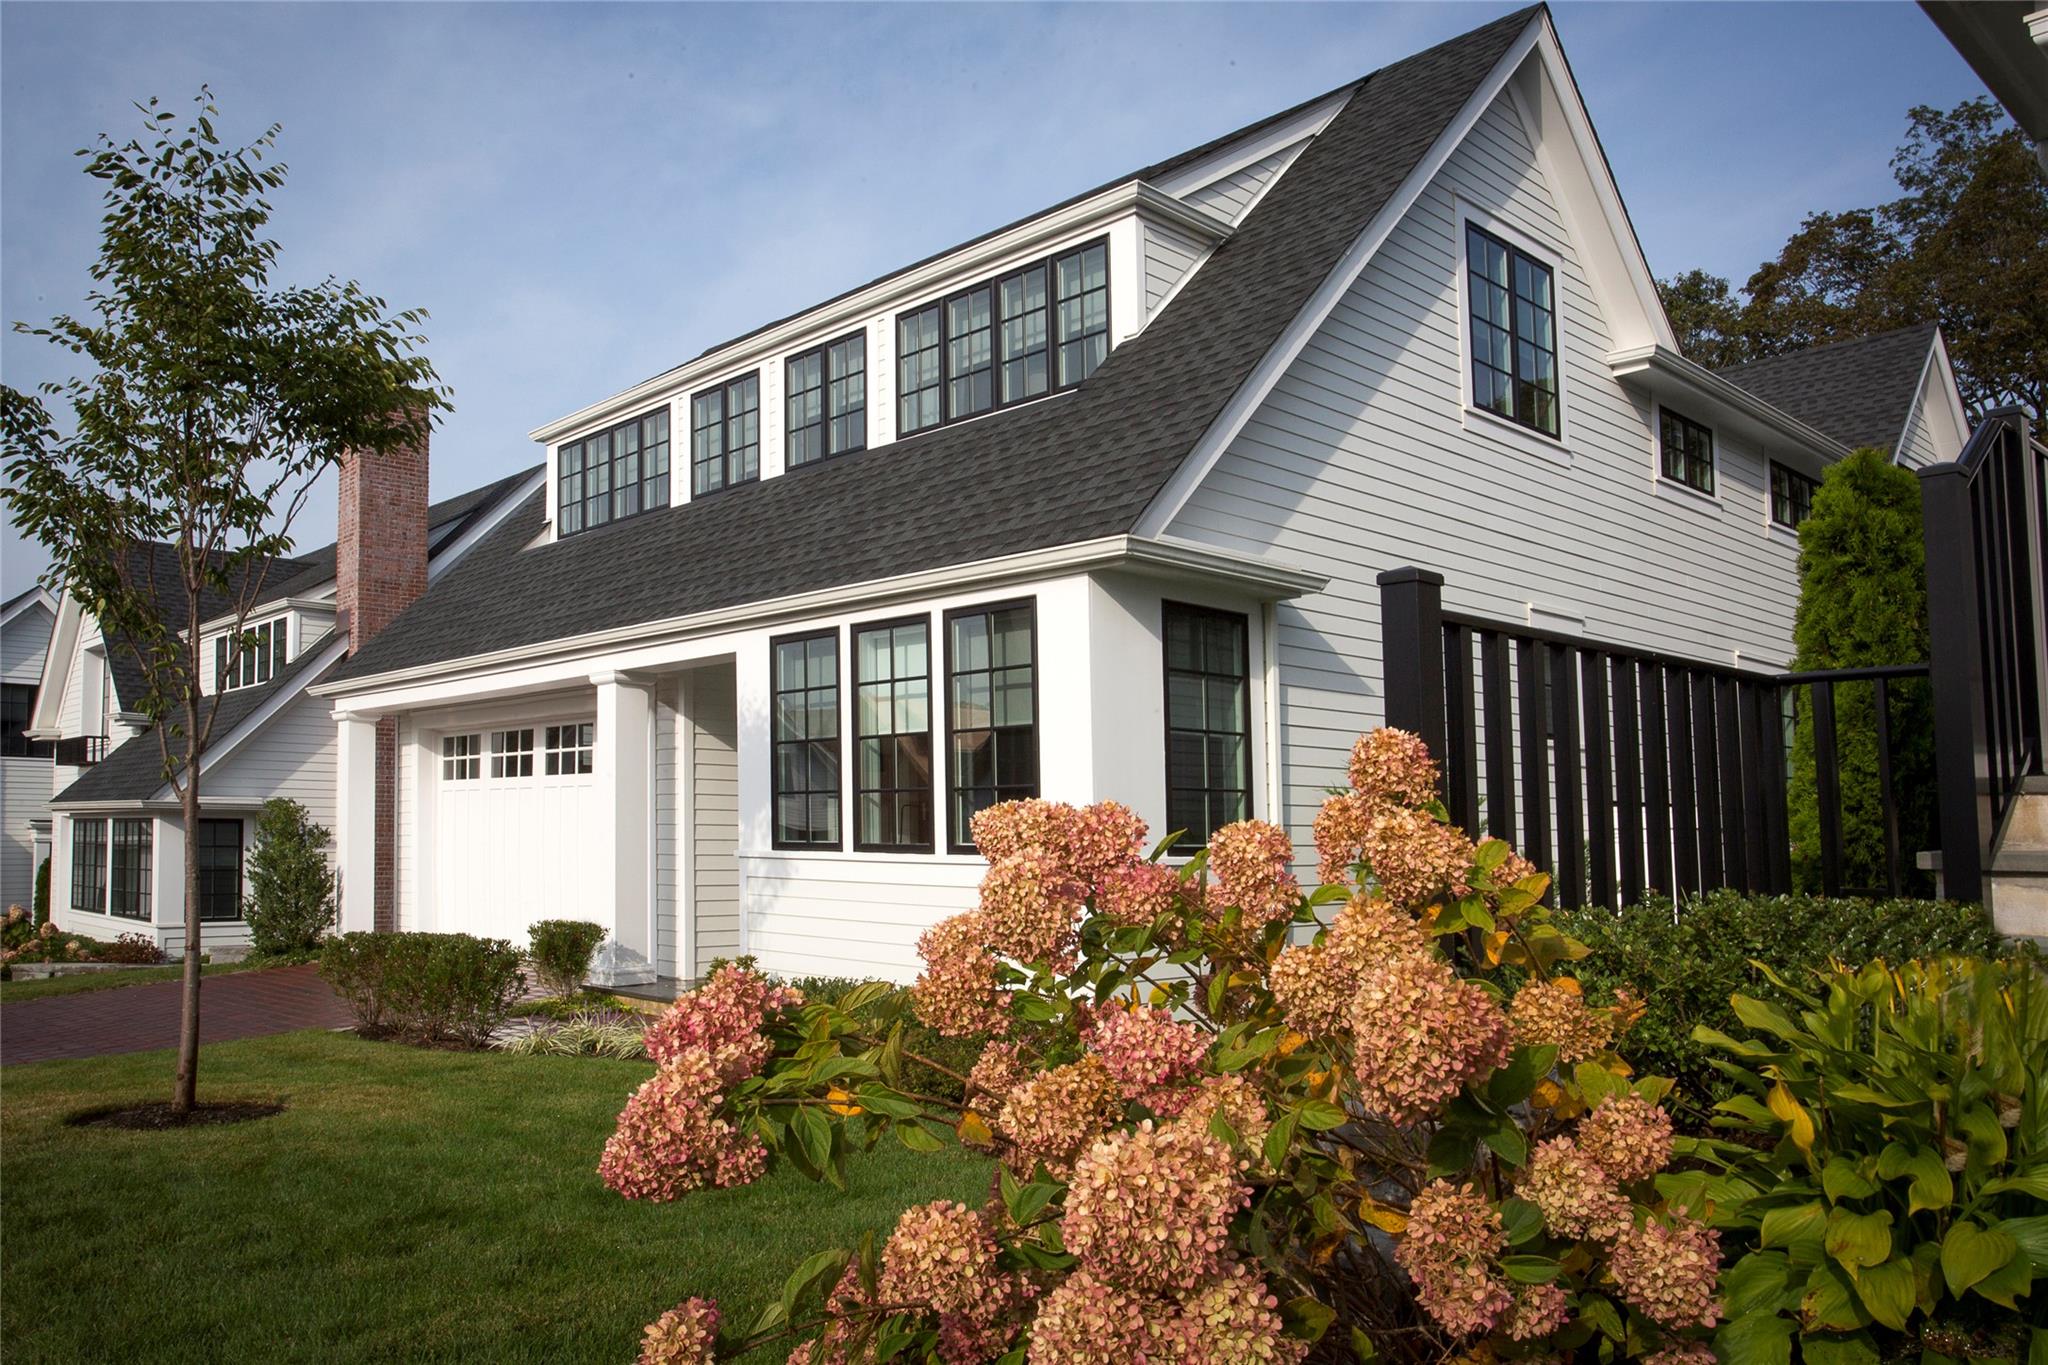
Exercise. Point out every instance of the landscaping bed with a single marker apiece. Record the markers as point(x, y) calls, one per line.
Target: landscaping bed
point(407, 1204)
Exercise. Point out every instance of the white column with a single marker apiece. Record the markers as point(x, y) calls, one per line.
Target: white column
point(355, 833)
point(621, 863)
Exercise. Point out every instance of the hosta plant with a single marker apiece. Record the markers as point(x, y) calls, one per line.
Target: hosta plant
point(1894, 1179)
point(1233, 1120)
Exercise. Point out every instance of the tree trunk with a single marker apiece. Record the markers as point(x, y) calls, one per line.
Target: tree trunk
point(183, 1096)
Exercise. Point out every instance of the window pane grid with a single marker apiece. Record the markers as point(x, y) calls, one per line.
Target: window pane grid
point(918, 372)
point(1208, 722)
point(613, 474)
point(1791, 496)
point(128, 881)
point(725, 434)
point(1688, 451)
point(892, 737)
point(220, 870)
point(511, 753)
point(806, 741)
point(262, 657)
point(89, 865)
point(1512, 319)
point(826, 408)
point(991, 712)
point(461, 758)
point(569, 749)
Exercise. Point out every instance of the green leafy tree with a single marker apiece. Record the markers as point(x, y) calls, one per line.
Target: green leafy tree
point(291, 882)
point(209, 402)
point(1863, 603)
point(1707, 317)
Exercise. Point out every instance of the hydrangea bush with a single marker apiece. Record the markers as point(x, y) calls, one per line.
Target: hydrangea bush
point(1234, 1120)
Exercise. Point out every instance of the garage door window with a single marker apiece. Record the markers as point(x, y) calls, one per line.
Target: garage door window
point(569, 749)
point(462, 758)
point(512, 753)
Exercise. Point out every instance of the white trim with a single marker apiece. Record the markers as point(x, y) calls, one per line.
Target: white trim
point(1085, 215)
point(1663, 363)
point(1250, 151)
point(1166, 505)
point(1110, 552)
point(1957, 412)
point(38, 596)
point(47, 720)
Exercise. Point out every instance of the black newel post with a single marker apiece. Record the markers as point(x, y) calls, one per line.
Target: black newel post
point(1411, 638)
point(1961, 775)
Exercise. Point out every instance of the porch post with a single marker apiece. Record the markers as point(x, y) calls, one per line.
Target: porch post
point(621, 885)
point(355, 834)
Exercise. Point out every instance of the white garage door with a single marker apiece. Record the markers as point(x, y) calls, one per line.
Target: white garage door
point(514, 817)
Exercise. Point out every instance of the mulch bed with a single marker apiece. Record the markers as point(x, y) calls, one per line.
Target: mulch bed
point(158, 1116)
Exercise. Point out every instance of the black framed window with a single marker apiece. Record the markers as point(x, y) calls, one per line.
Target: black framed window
point(892, 736)
point(991, 712)
point(1513, 317)
point(512, 753)
point(128, 879)
point(1791, 495)
point(569, 749)
point(1208, 721)
point(806, 719)
point(725, 434)
point(1032, 331)
point(1688, 451)
point(828, 400)
point(89, 865)
point(220, 870)
point(17, 711)
point(257, 661)
point(613, 474)
point(462, 758)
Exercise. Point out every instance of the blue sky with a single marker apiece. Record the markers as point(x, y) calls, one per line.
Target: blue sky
point(584, 195)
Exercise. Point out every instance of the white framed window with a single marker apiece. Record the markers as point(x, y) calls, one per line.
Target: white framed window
point(1511, 334)
point(569, 749)
point(512, 753)
point(258, 660)
point(462, 758)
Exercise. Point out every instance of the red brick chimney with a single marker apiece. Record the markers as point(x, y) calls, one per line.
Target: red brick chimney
point(380, 565)
point(380, 569)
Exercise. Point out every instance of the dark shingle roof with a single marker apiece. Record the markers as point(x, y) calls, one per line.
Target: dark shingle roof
point(1076, 467)
point(1858, 392)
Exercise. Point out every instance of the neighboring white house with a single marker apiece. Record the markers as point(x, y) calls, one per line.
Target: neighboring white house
point(116, 819)
point(25, 621)
point(1089, 507)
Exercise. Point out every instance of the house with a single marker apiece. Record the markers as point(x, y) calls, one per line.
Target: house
point(116, 818)
point(1894, 391)
point(25, 621)
point(1089, 507)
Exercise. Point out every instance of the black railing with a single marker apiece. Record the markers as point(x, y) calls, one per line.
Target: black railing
point(1986, 590)
point(79, 751)
point(1623, 771)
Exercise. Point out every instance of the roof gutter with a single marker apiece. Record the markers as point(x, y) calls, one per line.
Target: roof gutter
point(1161, 555)
point(1662, 362)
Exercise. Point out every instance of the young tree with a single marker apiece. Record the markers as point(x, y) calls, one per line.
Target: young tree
point(210, 403)
point(291, 880)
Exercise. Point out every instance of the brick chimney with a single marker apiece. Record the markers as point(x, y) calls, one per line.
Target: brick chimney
point(380, 565)
point(380, 569)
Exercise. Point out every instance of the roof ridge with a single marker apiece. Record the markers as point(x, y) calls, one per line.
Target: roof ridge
point(1841, 343)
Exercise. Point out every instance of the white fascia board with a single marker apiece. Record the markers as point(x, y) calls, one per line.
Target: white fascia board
point(156, 806)
point(1132, 196)
point(37, 596)
point(1659, 368)
point(1167, 503)
point(1250, 151)
point(57, 657)
point(1938, 366)
point(1261, 578)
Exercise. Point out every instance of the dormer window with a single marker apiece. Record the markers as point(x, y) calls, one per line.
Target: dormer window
point(1020, 336)
point(725, 435)
point(614, 474)
point(256, 662)
point(828, 401)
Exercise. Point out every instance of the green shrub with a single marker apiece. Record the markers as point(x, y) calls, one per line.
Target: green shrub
point(42, 905)
point(425, 988)
point(955, 1057)
point(1684, 964)
point(1901, 1206)
point(291, 883)
point(562, 949)
point(138, 948)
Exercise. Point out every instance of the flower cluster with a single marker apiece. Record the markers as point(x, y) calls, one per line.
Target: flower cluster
point(1051, 1117)
point(1576, 1197)
point(1138, 894)
point(1626, 1136)
point(1554, 1013)
point(1415, 857)
point(1390, 766)
point(671, 1140)
point(1235, 1320)
point(1667, 1270)
point(1538, 1310)
point(1083, 841)
point(1150, 1208)
point(1315, 983)
point(1029, 903)
point(1340, 829)
point(684, 1335)
point(1150, 1054)
point(1419, 1034)
point(997, 1071)
point(941, 1255)
point(959, 994)
point(1448, 1249)
point(724, 1018)
point(1086, 1320)
point(1249, 860)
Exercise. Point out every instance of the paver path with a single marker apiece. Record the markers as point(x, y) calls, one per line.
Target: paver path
point(139, 1018)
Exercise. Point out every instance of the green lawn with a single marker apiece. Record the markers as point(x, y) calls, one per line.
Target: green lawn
point(37, 988)
point(407, 1205)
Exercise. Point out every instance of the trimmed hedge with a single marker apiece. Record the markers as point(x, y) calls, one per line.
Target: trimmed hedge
point(425, 988)
point(1685, 962)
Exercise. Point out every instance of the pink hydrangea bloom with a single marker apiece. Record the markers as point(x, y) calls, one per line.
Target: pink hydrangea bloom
point(1448, 1247)
point(1241, 1106)
point(1234, 1319)
point(1150, 1208)
point(940, 1255)
point(1546, 1013)
point(1509, 870)
point(985, 1331)
point(1088, 1321)
point(1012, 827)
point(1052, 1116)
point(1417, 858)
point(1577, 1197)
point(1029, 906)
point(1249, 860)
point(670, 1139)
point(958, 993)
point(1316, 983)
point(684, 1335)
point(1389, 765)
point(1150, 1054)
point(1667, 1271)
point(1420, 1034)
point(1628, 1137)
point(1084, 842)
point(1340, 829)
point(724, 1017)
point(1138, 894)
point(1539, 1310)
point(999, 1068)
point(1683, 1353)
point(1101, 837)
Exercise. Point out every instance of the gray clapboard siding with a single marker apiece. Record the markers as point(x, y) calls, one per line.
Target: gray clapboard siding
point(292, 755)
point(1916, 446)
point(1362, 459)
point(1229, 197)
point(667, 780)
point(1169, 255)
point(25, 783)
point(714, 814)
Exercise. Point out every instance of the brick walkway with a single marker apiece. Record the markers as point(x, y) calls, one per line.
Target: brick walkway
point(139, 1018)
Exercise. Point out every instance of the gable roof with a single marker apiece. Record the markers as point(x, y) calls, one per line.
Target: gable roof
point(1075, 467)
point(1858, 392)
